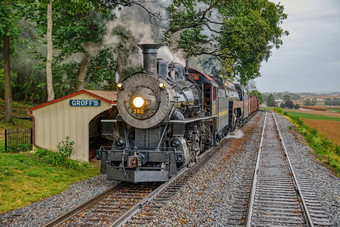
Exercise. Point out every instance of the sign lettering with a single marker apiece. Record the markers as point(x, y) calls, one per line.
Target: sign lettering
point(84, 102)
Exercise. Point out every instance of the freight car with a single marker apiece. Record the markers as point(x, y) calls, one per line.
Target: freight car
point(168, 116)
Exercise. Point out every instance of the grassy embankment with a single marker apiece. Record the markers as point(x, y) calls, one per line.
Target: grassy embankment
point(26, 177)
point(325, 149)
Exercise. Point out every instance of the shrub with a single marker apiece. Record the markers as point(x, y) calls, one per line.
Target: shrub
point(65, 148)
point(337, 150)
point(59, 159)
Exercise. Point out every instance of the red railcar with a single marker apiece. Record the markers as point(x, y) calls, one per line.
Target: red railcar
point(253, 104)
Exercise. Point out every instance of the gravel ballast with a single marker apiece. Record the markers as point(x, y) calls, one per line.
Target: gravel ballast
point(212, 196)
point(42, 212)
point(209, 197)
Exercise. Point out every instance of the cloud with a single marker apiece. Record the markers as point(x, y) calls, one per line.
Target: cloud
point(310, 54)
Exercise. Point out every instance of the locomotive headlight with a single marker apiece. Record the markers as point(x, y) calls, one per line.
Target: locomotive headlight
point(120, 85)
point(161, 85)
point(138, 102)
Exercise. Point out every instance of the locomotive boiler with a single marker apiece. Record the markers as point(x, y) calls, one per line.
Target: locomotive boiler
point(167, 116)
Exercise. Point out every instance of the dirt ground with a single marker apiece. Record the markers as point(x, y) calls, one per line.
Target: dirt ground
point(330, 129)
point(323, 113)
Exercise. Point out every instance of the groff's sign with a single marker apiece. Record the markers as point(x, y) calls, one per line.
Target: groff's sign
point(84, 102)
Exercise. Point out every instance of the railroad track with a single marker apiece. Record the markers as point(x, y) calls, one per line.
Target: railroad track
point(119, 204)
point(107, 207)
point(277, 196)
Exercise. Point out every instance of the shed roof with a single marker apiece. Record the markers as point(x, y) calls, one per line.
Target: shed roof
point(106, 96)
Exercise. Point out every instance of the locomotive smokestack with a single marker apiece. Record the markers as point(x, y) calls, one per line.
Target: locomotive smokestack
point(150, 56)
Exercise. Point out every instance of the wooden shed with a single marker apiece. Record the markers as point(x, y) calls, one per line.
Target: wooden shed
point(77, 116)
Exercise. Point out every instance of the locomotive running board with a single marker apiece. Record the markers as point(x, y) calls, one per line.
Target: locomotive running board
point(189, 120)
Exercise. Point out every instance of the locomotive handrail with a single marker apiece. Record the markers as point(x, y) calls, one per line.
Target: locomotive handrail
point(189, 120)
point(109, 121)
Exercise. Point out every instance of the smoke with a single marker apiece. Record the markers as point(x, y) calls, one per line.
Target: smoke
point(146, 28)
point(172, 56)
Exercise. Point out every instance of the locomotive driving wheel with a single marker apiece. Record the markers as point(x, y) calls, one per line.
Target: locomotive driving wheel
point(234, 121)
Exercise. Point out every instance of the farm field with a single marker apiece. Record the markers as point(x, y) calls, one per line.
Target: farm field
point(326, 122)
point(318, 115)
point(334, 110)
point(330, 129)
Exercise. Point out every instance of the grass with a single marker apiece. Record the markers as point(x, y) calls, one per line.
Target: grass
point(335, 110)
point(26, 178)
point(313, 116)
point(325, 149)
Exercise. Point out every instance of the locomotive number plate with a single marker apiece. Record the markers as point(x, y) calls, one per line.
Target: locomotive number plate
point(137, 111)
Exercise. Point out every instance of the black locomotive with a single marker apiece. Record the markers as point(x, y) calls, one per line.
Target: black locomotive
point(167, 116)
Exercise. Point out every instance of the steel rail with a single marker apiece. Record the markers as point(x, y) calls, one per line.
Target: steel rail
point(127, 215)
point(132, 211)
point(135, 209)
point(84, 206)
point(256, 171)
point(298, 189)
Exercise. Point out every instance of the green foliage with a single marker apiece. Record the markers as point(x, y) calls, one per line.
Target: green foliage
point(240, 41)
point(289, 104)
point(286, 98)
point(65, 148)
point(257, 94)
point(26, 178)
point(309, 102)
point(323, 147)
point(337, 150)
point(58, 159)
point(333, 102)
point(271, 101)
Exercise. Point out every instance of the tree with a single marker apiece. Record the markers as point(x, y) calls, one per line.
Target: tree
point(286, 97)
point(271, 101)
point(9, 12)
point(238, 34)
point(309, 102)
point(289, 104)
point(257, 94)
point(79, 28)
point(49, 78)
point(250, 86)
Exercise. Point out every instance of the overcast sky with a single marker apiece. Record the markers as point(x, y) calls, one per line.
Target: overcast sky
point(309, 59)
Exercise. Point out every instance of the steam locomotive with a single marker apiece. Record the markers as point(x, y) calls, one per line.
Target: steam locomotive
point(167, 116)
